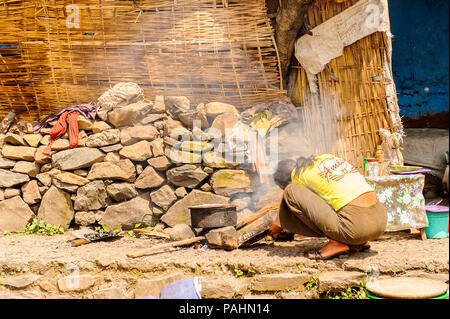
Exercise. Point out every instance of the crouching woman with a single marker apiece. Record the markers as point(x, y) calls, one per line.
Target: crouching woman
point(325, 196)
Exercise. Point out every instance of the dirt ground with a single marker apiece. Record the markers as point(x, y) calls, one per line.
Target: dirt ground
point(51, 256)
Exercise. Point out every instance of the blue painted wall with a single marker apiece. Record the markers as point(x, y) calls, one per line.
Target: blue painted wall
point(420, 55)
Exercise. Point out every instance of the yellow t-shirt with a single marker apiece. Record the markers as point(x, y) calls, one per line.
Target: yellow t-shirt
point(333, 179)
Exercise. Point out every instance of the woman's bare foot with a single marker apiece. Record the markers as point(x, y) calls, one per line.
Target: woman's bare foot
point(332, 248)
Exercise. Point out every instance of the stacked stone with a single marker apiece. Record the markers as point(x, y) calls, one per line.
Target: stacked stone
point(138, 162)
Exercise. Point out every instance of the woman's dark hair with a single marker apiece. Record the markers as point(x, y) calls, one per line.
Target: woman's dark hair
point(285, 167)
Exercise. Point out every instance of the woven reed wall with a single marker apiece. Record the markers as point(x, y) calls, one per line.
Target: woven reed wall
point(359, 101)
point(170, 47)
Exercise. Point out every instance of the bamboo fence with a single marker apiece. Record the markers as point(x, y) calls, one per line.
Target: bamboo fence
point(199, 49)
point(355, 107)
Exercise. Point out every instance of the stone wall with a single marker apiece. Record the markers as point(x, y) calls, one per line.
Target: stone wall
point(139, 162)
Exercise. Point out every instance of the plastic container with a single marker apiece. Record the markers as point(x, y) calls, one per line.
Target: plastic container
point(182, 289)
point(371, 296)
point(438, 221)
point(379, 154)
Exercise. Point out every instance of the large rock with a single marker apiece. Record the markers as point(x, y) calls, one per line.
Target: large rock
point(92, 196)
point(105, 138)
point(228, 182)
point(77, 158)
point(23, 153)
point(127, 214)
point(100, 126)
point(130, 114)
point(30, 193)
point(335, 281)
point(139, 152)
point(123, 170)
point(187, 176)
point(149, 178)
point(179, 213)
point(15, 214)
point(56, 208)
point(21, 281)
point(163, 197)
point(120, 95)
point(121, 191)
point(215, 108)
point(11, 179)
point(133, 134)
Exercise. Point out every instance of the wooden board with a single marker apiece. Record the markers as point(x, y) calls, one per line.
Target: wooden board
point(407, 288)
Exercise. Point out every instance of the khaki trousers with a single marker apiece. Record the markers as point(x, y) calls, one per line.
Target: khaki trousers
point(304, 212)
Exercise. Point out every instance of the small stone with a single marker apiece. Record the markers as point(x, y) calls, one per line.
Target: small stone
point(151, 118)
point(181, 192)
point(11, 192)
point(45, 178)
point(24, 153)
point(181, 232)
point(227, 182)
point(122, 170)
point(109, 293)
point(206, 187)
point(163, 197)
point(176, 104)
point(160, 163)
point(157, 147)
point(70, 178)
point(100, 126)
point(20, 282)
point(6, 122)
point(45, 140)
point(105, 138)
point(112, 157)
point(121, 191)
point(46, 168)
point(159, 106)
point(92, 196)
point(184, 157)
point(279, 282)
point(127, 214)
point(28, 168)
point(60, 145)
point(225, 122)
point(215, 108)
point(223, 238)
point(76, 283)
point(6, 163)
point(77, 158)
point(186, 176)
point(71, 188)
point(81, 172)
point(11, 179)
point(137, 152)
point(130, 114)
point(32, 139)
point(40, 157)
point(111, 148)
point(31, 194)
point(134, 134)
point(85, 218)
point(83, 123)
point(14, 139)
point(149, 179)
point(335, 281)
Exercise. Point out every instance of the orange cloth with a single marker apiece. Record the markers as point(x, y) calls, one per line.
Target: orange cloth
point(61, 127)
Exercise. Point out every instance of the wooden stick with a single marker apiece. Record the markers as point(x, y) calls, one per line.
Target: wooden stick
point(179, 243)
point(263, 211)
point(152, 233)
